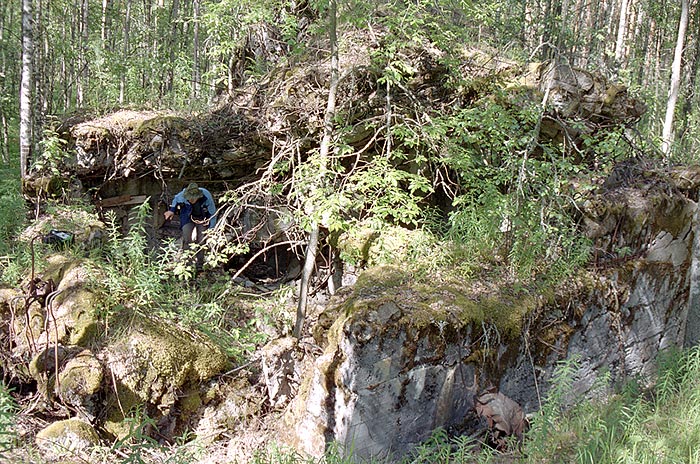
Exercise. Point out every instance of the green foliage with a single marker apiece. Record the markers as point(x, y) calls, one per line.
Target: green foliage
point(132, 273)
point(12, 211)
point(136, 444)
point(135, 278)
point(7, 419)
point(632, 426)
point(52, 154)
point(441, 448)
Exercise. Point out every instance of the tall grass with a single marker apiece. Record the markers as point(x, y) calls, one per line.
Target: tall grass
point(7, 420)
point(12, 217)
point(634, 425)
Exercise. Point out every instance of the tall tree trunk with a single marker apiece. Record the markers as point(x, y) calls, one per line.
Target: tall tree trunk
point(103, 28)
point(172, 44)
point(84, 72)
point(43, 64)
point(667, 136)
point(621, 31)
point(693, 67)
point(592, 43)
point(122, 78)
point(312, 248)
point(546, 37)
point(196, 73)
point(25, 98)
point(4, 89)
point(643, 31)
point(563, 40)
point(5, 136)
point(579, 26)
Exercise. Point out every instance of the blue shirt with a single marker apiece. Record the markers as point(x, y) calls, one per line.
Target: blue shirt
point(186, 207)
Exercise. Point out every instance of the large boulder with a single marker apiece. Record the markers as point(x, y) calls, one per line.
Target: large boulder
point(152, 363)
point(66, 439)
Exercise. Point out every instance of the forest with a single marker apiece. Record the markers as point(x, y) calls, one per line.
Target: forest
point(434, 176)
point(185, 55)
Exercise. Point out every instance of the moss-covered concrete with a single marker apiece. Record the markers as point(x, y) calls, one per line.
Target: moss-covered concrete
point(440, 303)
point(152, 362)
point(80, 378)
point(64, 438)
point(76, 309)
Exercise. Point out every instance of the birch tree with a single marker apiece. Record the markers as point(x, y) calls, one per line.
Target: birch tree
point(27, 82)
point(620, 44)
point(5, 100)
point(667, 135)
point(196, 72)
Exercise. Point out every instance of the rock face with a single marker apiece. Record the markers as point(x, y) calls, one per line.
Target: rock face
point(402, 359)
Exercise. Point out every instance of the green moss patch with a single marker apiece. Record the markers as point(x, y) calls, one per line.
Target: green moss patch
point(439, 303)
point(155, 357)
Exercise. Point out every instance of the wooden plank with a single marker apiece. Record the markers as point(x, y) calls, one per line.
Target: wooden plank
point(123, 200)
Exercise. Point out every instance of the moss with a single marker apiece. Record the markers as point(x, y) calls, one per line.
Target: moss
point(119, 429)
point(85, 325)
point(154, 358)
point(57, 266)
point(77, 311)
point(190, 402)
point(81, 377)
point(423, 305)
point(382, 277)
point(354, 245)
point(70, 434)
point(159, 123)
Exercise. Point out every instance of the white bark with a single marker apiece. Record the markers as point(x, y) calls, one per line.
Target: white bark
point(196, 75)
point(27, 82)
point(127, 28)
point(667, 135)
point(621, 31)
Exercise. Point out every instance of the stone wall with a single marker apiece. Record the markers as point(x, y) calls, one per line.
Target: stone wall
point(403, 359)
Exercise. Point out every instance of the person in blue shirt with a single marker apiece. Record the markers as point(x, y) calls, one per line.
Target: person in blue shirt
point(197, 214)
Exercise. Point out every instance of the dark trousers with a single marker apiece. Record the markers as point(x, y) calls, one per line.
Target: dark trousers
point(194, 233)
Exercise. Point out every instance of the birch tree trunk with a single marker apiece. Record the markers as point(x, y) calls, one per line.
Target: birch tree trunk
point(173, 43)
point(312, 248)
point(122, 78)
point(621, 31)
point(25, 97)
point(84, 72)
point(103, 28)
point(196, 76)
point(667, 135)
point(4, 91)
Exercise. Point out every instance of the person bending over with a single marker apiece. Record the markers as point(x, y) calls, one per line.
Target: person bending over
point(197, 214)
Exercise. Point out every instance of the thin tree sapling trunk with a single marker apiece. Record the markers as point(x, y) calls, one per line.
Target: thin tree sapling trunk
point(312, 247)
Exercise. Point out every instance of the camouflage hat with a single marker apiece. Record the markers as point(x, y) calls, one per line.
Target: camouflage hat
point(192, 192)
